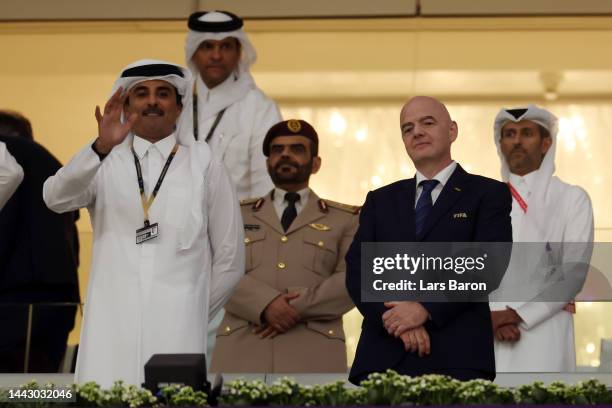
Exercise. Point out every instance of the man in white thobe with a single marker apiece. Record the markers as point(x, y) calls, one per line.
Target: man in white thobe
point(11, 175)
point(233, 114)
point(556, 219)
point(158, 272)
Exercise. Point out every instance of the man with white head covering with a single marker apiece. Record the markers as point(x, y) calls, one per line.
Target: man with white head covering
point(232, 114)
point(537, 335)
point(153, 284)
point(11, 175)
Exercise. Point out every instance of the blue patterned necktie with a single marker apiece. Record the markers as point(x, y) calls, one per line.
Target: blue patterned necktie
point(423, 207)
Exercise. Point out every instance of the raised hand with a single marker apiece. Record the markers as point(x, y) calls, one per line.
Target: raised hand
point(111, 131)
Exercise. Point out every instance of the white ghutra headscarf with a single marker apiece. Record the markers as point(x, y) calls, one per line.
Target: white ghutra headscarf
point(176, 75)
point(218, 25)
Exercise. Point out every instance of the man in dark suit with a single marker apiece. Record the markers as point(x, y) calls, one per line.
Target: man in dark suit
point(38, 265)
point(416, 338)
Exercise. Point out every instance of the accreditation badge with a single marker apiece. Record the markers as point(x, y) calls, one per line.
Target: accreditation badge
point(146, 233)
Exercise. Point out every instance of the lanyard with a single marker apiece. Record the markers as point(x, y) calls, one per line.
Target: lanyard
point(214, 126)
point(146, 203)
point(196, 120)
point(518, 197)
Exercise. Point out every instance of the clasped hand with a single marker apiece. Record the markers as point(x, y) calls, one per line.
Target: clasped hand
point(404, 320)
point(506, 325)
point(279, 316)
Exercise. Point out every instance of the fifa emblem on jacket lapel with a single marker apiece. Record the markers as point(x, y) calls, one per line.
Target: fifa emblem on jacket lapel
point(460, 215)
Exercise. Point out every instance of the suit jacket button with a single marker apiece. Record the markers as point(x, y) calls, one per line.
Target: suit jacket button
point(321, 244)
point(247, 240)
point(284, 238)
point(330, 332)
point(228, 329)
point(281, 265)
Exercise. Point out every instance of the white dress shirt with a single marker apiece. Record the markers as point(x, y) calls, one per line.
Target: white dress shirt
point(280, 203)
point(11, 175)
point(442, 178)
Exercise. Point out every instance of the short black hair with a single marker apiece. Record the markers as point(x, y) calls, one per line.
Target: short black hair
point(179, 98)
point(238, 44)
point(543, 131)
point(14, 124)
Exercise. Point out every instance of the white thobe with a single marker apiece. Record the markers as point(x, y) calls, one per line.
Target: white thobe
point(238, 137)
point(155, 297)
point(547, 331)
point(11, 175)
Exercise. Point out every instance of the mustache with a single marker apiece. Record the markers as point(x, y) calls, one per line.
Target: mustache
point(154, 110)
point(286, 162)
point(518, 149)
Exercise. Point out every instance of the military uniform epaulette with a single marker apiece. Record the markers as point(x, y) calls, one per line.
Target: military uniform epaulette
point(353, 209)
point(248, 201)
point(256, 202)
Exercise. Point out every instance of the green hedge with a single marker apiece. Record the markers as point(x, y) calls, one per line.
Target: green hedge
point(387, 389)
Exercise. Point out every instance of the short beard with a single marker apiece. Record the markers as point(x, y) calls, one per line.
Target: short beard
point(300, 176)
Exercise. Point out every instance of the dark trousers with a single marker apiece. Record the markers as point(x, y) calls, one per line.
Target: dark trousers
point(51, 325)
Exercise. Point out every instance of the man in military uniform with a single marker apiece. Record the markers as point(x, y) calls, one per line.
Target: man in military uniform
point(286, 312)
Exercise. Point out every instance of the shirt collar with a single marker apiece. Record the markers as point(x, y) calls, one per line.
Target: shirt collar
point(442, 176)
point(280, 193)
point(527, 180)
point(164, 146)
point(220, 89)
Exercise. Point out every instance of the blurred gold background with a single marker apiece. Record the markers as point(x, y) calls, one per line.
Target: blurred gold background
point(349, 78)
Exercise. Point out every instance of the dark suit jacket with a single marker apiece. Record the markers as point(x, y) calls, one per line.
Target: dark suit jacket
point(37, 246)
point(38, 263)
point(460, 333)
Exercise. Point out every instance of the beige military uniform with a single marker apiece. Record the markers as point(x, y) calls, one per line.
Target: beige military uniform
point(308, 259)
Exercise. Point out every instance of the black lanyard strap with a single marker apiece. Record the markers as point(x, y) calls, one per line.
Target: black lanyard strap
point(214, 126)
point(195, 112)
point(146, 203)
point(196, 119)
